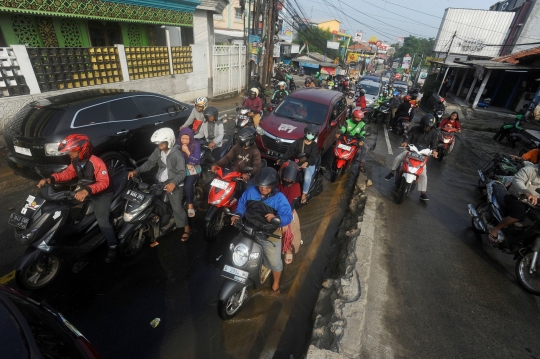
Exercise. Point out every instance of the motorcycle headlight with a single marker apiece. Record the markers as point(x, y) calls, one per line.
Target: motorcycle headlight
point(413, 170)
point(260, 130)
point(51, 149)
point(128, 217)
point(29, 235)
point(240, 255)
point(225, 193)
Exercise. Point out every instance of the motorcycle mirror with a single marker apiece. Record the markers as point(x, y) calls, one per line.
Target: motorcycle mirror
point(227, 211)
point(132, 161)
point(276, 221)
point(333, 123)
point(247, 169)
point(39, 172)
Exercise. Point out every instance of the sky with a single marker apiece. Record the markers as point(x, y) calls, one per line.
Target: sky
point(385, 20)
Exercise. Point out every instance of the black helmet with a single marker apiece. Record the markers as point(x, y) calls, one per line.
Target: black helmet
point(257, 77)
point(427, 120)
point(362, 92)
point(288, 171)
point(267, 177)
point(312, 129)
point(211, 111)
point(246, 136)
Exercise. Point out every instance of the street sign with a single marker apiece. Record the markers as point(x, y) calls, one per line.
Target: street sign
point(332, 45)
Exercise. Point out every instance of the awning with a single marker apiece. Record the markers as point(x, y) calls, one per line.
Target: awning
point(230, 33)
point(495, 65)
point(449, 64)
point(309, 60)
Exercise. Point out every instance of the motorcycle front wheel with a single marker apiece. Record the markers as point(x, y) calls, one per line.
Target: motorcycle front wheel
point(38, 274)
point(228, 308)
point(130, 246)
point(335, 174)
point(403, 190)
point(531, 282)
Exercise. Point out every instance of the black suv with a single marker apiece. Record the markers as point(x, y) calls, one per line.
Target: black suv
point(119, 123)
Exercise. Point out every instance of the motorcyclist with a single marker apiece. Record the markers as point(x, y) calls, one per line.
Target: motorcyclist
point(509, 127)
point(280, 93)
point(196, 117)
point(255, 83)
point(402, 110)
point(309, 83)
point(361, 100)
point(452, 121)
point(317, 79)
point(212, 131)
point(287, 185)
point(307, 146)
point(171, 172)
point(282, 75)
point(439, 106)
point(259, 205)
point(244, 154)
point(86, 166)
point(414, 106)
point(395, 101)
point(356, 127)
point(255, 105)
point(525, 183)
point(426, 136)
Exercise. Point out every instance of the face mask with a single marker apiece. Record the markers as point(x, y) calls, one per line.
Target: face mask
point(310, 137)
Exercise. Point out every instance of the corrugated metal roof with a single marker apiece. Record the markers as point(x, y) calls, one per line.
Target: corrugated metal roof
point(514, 58)
point(448, 64)
point(495, 65)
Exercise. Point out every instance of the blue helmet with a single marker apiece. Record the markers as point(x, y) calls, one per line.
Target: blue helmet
point(396, 93)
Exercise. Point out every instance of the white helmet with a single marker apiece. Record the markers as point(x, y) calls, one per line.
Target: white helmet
point(202, 101)
point(164, 135)
point(255, 91)
point(282, 83)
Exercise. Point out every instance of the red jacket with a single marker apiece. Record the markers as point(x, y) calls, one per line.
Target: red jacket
point(446, 122)
point(93, 169)
point(255, 104)
point(361, 102)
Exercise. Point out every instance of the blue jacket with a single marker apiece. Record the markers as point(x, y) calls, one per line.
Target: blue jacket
point(278, 202)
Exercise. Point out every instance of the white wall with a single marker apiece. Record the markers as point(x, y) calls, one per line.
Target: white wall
point(203, 33)
point(531, 30)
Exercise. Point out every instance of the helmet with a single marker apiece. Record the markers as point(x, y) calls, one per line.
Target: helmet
point(317, 75)
point(78, 143)
point(406, 98)
point(246, 136)
point(357, 113)
point(254, 91)
point(267, 177)
point(396, 93)
point(282, 83)
point(362, 92)
point(256, 77)
point(427, 120)
point(211, 111)
point(288, 172)
point(441, 99)
point(201, 101)
point(307, 82)
point(164, 135)
point(312, 130)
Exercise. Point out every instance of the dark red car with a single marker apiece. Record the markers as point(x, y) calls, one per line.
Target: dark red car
point(286, 123)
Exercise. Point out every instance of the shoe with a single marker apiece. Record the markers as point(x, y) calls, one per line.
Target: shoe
point(389, 176)
point(111, 254)
point(423, 197)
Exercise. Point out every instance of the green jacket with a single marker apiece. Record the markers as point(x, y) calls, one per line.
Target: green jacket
point(356, 129)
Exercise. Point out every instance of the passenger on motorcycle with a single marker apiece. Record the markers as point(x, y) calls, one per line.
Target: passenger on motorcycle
point(86, 166)
point(361, 100)
point(191, 150)
point(280, 93)
point(532, 156)
point(291, 189)
point(509, 127)
point(255, 83)
point(196, 117)
point(402, 110)
point(426, 136)
point(254, 103)
point(212, 131)
point(414, 106)
point(525, 183)
point(263, 202)
point(309, 83)
point(356, 127)
point(244, 154)
point(395, 101)
point(452, 121)
point(305, 145)
point(439, 105)
point(171, 172)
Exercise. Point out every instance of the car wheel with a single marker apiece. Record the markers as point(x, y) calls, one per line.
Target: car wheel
point(115, 161)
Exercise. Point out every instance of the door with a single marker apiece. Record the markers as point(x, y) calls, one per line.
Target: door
point(162, 111)
point(104, 33)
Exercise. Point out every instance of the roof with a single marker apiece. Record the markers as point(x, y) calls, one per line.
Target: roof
point(310, 60)
point(514, 58)
point(494, 65)
point(449, 64)
point(317, 95)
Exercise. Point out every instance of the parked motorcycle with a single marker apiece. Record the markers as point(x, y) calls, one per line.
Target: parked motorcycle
point(410, 170)
point(522, 239)
point(447, 136)
point(345, 150)
point(59, 229)
point(243, 266)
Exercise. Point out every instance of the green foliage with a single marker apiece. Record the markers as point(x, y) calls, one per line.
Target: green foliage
point(431, 85)
point(415, 45)
point(316, 39)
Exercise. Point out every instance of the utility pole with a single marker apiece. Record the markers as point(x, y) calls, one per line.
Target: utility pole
point(450, 46)
point(272, 8)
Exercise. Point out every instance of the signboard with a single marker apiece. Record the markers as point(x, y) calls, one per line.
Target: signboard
point(286, 33)
point(309, 64)
point(352, 57)
point(406, 62)
point(295, 49)
point(328, 70)
point(430, 58)
point(254, 42)
point(332, 45)
point(358, 37)
point(373, 40)
point(277, 50)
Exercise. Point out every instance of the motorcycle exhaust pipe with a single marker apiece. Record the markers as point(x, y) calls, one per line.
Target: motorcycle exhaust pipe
point(476, 218)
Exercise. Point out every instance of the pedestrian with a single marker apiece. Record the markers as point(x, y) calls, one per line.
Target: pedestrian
point(196, 117)
point(191, 150)
point(288, 185)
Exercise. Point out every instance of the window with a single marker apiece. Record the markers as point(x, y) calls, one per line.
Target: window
point(153, 105)
point(90, 116)
point(238, 13)
point(302, 110)
point(123, 110)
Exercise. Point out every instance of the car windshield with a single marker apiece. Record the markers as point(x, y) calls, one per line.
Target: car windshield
point(302, 110)
point(370, 89)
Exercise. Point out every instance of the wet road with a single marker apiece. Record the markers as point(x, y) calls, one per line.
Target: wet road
point(436, 290)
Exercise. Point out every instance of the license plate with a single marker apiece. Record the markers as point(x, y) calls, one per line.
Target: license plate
point(344, 147)
point(19, 221)
point(235, 274)
point(134, 196)
point(219, 184)
point(273, 153)
point(23, 151)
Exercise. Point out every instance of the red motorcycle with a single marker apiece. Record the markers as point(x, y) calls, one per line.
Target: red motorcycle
point(447, 137)
point(344, 152)
point(224, 193)
point(411, 168)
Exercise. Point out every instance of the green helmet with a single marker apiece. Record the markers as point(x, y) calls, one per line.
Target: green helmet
point(317, 75)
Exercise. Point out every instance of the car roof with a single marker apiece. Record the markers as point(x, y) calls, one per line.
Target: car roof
point(400, 83)
point(370, 82)
point(316, 95)
point(84, 97)
point(370, 78)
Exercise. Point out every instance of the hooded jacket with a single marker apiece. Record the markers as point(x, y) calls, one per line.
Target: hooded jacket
point(194, 147)
point(241, 157)
point(218, 134)
point(195, 115)
point(417, 136)
point(176, 165)
point(93, 169)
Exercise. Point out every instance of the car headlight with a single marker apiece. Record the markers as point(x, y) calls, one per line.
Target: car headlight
point(51, 149)
point(240, 255)
point(260, 130)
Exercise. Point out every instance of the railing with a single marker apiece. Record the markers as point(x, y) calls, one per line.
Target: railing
point(12, 81)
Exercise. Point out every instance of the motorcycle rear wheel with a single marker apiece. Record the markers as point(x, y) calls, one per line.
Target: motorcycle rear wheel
point(403, 190)
point(214, 226)
point(34, 277)
point(228, 308)
point(336, 172)
point(531, 282)
point(129, 247)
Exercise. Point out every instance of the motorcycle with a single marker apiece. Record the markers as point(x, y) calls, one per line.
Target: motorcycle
point(316, 185)
point(402, 125)
point(243, 119)
point(438, 117)
point(243, 266)
point(447, 137)
point(522, 239)
point(381, 112)
point(499, 165)
point(292, 86)
point(345, 150)
point(410, 170)
point(350, 94)
point(58, 229)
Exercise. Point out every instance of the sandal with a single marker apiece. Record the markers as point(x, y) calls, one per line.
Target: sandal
point(304, 199)
point(362, 169)
point(288, 258)
point(493, 239)
point(186, 236)
point(191, 212)
point(277, 291)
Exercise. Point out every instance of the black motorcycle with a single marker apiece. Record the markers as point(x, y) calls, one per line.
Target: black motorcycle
point(59, 229)
point(243, 119)
point(381, 112)
point(292, 86)
point(402, 125)
point(243, 266)
point(438, 118)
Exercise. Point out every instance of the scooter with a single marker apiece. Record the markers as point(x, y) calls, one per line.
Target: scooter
point(402, 125)
point(316, 185)
point(438, 117)
point(411, 168)
point(500, 165)
point(243, 266)
point(381, 112)
point(56, 234)
point(447, 137)
point(522, 239)
point(344, 153)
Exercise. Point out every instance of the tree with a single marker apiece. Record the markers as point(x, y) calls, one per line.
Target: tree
point(415, 45)
point(316, 39)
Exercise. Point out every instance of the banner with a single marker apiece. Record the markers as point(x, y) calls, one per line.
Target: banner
point(295, 49)
point(309, 64)
point(254, 41)
point(328, 70)
point(358, 37)
point(332, 45)
point(277, 50)
point(352, 57)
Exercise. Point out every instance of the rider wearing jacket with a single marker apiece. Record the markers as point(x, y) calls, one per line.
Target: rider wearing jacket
point(361, 100)
point(255, 105)
point(280, 93)
point(196, 117)
point(509, 127)
point(424, 135)
point(402, 110)
point(86, 166)
point(212, 131)
point(255, 83)
point(356, 127)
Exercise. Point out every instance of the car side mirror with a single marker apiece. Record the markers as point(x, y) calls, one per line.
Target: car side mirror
point(276, 221)
point(333, 124)
point(247, 169)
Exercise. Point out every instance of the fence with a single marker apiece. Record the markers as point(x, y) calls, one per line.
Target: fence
point(12, 81)
point(229, 72)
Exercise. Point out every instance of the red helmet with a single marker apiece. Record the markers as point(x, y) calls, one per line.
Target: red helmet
point(406, 98)
point(76, 143)
point(358, 113)
point(441, 99)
